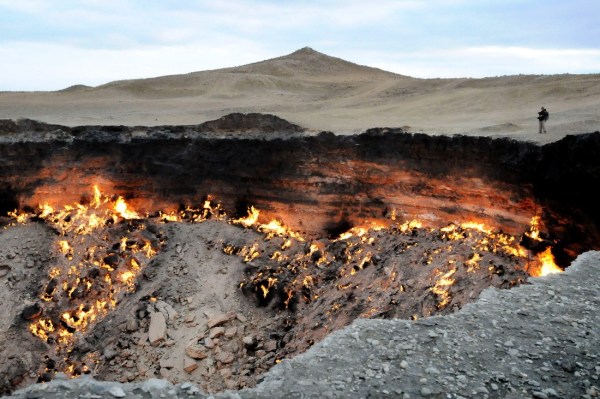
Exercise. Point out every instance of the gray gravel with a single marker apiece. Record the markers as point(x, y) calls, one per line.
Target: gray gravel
point(538, 340)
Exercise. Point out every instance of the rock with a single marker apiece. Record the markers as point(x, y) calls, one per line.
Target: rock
point(196, 352)
point(226, 373)
point(143, 341)
point(232, 346)
point(241, 317)
point(167, 310)
point(270, 346)
point(539, 395)
point(167, 363)
point(109, 352)
point(249, 342)
point(31, 312)
point(216, 332)
point(142, 368)
point(189, 365)
point(117, 392)
point(220, 319)
point(567, 365)
point(158, 328)
point(131, 325)
point(112, 260)
point(230, 332)
point(261, 353)
point(165, 373)
point(225, 357)
point(209, 343)
point(4, 270)
point(155, 385)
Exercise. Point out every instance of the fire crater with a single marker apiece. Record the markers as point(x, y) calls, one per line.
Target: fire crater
point(374, 226)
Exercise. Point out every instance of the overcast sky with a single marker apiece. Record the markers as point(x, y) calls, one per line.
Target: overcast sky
point(53, 44)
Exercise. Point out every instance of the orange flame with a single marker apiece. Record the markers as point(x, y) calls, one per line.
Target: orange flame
point(548, 266)
point(442, 287)
point(121, 209)
point(248, 220)
point(534, 230)
point(75, 223)
point(20, 217)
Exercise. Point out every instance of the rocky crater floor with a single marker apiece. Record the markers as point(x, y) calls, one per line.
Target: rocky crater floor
point(538, 340)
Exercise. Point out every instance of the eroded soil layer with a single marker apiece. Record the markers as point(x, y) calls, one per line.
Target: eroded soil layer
point(318, 184)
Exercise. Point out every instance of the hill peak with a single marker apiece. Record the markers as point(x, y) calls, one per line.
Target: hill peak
point(306, 51)
point(307, 61)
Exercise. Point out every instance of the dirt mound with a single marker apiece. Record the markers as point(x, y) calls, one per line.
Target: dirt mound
point(75, 88)
point(251, 122)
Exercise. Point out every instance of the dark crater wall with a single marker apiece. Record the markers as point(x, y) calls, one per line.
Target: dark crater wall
point(318, 184)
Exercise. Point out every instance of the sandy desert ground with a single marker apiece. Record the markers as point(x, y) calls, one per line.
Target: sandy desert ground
point(320, 92)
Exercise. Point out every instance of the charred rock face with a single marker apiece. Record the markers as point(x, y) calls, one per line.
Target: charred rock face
point(320, 185)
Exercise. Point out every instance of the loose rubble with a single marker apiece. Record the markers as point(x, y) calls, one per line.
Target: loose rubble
point(222, 303)
point(538, 340)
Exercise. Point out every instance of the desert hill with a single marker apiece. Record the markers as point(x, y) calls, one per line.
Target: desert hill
point(321, 92)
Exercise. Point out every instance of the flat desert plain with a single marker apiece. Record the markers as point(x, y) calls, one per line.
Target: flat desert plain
point(320, 92)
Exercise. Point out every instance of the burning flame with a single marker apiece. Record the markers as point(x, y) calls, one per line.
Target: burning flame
point(82, 292)
point(249, 220)
point(19, 217)
point(548, 266)
point(534, 230)
point(413, 224)
point(442, 287)
point(345, 258)
point(361, 231)
point(272, 229)
point(87, 281)
point(121, 208)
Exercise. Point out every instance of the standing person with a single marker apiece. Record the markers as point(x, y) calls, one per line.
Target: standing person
point(543, 116)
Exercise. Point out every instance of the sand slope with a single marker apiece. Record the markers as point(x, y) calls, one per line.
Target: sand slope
point(326, 93)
